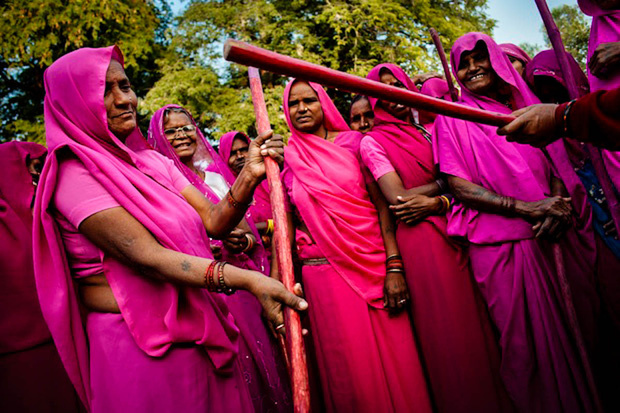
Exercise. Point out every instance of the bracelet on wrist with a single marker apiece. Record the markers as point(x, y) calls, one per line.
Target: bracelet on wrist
point(565, 123)
point(250, 238)
point(234, 203)
point(214, 278)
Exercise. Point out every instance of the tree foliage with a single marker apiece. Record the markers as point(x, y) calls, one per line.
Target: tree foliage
point(575, 29)
point(37, 32)
point(351, 36)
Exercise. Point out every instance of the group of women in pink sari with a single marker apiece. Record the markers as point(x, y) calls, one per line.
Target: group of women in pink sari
point(443, 268)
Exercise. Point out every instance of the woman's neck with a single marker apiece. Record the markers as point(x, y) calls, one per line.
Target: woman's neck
point(501, 93)
point(195, 170)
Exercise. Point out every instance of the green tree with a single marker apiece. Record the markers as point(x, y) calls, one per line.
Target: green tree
point(37, 32)
point(351, 36)
point(575, 29)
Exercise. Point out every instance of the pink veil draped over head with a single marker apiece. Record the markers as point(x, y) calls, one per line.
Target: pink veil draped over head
point(437, 88)
point(516, 52)
point(76, 123)
point(330, 193)
point(21, 325)
point(545, 63)
point(206, 159)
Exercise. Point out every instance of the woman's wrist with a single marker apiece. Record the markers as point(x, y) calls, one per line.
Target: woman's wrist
point(237, 278)
point(523, 209)
point(242, 190)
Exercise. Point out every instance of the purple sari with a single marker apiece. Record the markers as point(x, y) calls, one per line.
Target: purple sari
point(516, 273)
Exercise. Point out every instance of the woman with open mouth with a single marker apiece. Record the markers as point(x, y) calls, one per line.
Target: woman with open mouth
point(511, 209)
point(456, 341)
point(173, 132)
point(365, 347)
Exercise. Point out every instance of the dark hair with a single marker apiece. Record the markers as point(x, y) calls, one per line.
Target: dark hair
point(357, 98)
point(176, 110)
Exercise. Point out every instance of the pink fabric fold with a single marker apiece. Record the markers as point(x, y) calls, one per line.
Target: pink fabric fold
point(437, 88)
point(22, 325)
point(333, 200)
point(605, 28)
point(545, 63)
point(75, 122)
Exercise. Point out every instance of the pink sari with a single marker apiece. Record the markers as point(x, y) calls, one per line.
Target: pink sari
point(264, 369)
point(29, 362)
point(437, 88)
point(540, 365)
point(453, 328)
point(605, 28)
point(182, 323)
point(367, 360)
point(260, 210)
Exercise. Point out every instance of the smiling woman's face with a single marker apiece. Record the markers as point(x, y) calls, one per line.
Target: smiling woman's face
point(183, 143)
point(120, 102)
point(475, 71)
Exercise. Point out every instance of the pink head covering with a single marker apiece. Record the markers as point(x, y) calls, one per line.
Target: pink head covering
point(398, 136)
point(516, 52)
point(476, 153)
point(22, 325)
point(605, 28)
point(76, 122)
point(437, 88)
point(545, 63)
point(330, 193)
point(226, 142)
point(206, 159)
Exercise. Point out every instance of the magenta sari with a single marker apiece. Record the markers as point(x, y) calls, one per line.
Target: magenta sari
point(367, 360)
point(182, 325)
point(437, 88)
point(516, 273)
point(264, 370)
point(452, 326)
point(32, 377)
point(260, 210)
point(516, 52)
point(605, 28)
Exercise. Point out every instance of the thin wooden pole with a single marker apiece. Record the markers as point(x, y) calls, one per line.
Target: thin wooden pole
point(454, 94)
point(246, 54)
point(294, 340)
point(558, 46)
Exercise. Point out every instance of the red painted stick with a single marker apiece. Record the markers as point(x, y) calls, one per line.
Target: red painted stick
point(444, 62)
point(558, 46)
point(246, 54)
point(294, 340)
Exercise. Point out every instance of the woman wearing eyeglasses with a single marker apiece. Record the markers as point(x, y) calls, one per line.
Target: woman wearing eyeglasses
point(173, 132)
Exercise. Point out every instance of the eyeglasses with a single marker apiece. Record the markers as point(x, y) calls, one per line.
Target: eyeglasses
point(172, 132)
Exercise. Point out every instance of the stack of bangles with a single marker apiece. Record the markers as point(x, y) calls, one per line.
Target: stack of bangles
point(445, 203)
point(251, 242)
point(214, 278)
point(394, 264)
point(270, 227)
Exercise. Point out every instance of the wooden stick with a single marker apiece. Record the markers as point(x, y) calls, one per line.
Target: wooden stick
point(246, 54)
point(294, 340)
point(558, 46)
point(454, 95)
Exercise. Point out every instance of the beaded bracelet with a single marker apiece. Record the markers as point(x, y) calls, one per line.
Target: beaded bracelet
point(234, 203)
point(223, 288)
point(210, 282)
point(250, 245)
point(565, 116)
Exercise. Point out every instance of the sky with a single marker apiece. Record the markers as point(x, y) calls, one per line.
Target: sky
point(518, 21)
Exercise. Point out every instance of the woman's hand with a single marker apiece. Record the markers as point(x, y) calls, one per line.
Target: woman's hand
point(272, 294)
point(237, 241)
point(266, 144)
point(216, 250)
point(551, 216)
point(414, 208)
point(395, 292)
point(605, 60)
